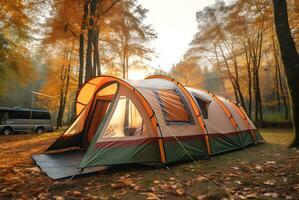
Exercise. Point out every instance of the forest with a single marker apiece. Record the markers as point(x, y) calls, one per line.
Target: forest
point(243, 50)
point(234, 53)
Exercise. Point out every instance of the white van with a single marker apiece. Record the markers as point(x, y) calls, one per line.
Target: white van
point(24, 120)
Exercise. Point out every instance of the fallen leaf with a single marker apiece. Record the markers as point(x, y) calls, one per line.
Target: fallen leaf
point(34, 169)
point(258, 167)
point(115, 186)
point(58, 198)
point(201, 178)
point(288, 197)
point(271, 194)
point(76, 193)
point(236, 168)
point(135, 187)
point(152, 189)
point(44, 196)
point(247, 189)
point(156, 182)
point(179, 192)
point(187, 183)
point(296, 187)
point(269, 182)
point(201, 197)
point(285, 179)
point(270, 162)
point(251, 195)
point(232, 174)
point(151, 196)
point(240, 196)
point(238, 182)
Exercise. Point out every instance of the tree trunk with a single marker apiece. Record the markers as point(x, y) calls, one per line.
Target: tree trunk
point(279, 85)
point(240, 94)
point(81, 44)
point(248, 63)
point(286, 109)
point(256, 55)
point(89, 71)
point(96, 54)
point(259, 99)
point(256, 107)
point(290, 60)
point(231, 78)
point(127, 67)
point(61, 110)
point(63, 72)
point(63, 95)
point(88, 66)
point(276, 64)
point(81, 60)
point(124, 65)
point(260, 42)
point(236, 93)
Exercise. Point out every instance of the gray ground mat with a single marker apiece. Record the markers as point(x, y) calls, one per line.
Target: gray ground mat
point(63, 164)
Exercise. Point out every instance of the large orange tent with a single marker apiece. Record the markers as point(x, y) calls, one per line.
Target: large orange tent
point(156, 120)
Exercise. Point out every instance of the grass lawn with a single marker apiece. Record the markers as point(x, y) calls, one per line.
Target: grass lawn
point(266, 171)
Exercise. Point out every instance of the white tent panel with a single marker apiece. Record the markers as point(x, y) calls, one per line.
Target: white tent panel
point(236, 115)
point(217, 121)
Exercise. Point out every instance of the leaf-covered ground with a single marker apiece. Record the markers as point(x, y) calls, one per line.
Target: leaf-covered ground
point(268, 171)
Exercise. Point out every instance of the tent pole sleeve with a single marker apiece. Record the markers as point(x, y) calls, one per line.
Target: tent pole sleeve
point(162, 152)
point(161, 146)
point(198, 116)
point(226, 111)
point(229, 115)
point(243, 116)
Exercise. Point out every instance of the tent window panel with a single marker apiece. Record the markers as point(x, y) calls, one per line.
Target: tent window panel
point(174, 107)
point(203, 105)
point(126, 120)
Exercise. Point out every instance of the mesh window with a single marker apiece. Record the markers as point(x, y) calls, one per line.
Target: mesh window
point(126, 120)
point(203, 106)
point(174, 106)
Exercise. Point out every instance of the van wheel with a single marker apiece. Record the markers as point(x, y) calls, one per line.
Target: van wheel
point(7, 131)
point(39, 130)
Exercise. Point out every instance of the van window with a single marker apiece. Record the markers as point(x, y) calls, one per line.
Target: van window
point(174, 107)
point(18, 114)
point(4, 115)
point(40, 115)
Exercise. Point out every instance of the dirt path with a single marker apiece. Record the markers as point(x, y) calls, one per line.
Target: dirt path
point(268, 171)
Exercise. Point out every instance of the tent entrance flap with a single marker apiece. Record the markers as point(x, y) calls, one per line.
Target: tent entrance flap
point(99, 111)
point(63, 164)
point(83, 129)
point(100, 105)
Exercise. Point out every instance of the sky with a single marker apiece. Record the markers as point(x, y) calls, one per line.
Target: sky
point(175, 23)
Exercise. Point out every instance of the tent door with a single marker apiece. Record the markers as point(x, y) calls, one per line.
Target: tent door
point(98, 112)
